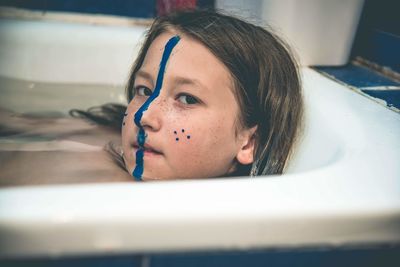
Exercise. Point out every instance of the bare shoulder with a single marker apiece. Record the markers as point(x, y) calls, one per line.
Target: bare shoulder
point(56, 150)
point(58, 167)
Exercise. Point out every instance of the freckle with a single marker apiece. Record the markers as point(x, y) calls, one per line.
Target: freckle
point(123, 123)
point(188, 137)
point(125, 114)
point(177, 139)
point(175, 132)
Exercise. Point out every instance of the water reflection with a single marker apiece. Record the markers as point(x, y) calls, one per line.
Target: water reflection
point(50, 147)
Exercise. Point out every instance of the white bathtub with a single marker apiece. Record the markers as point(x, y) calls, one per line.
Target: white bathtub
point(342, 186)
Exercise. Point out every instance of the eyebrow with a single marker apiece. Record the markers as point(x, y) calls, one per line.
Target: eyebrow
point(178, 80)
point(143, 74)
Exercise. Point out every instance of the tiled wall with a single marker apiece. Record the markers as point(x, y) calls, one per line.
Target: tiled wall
point(128, 8)
point(132, 8)
point(375, 67)
point(378, 35)
point(374, 85)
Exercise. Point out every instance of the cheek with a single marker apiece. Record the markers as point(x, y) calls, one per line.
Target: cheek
point(182, 135)
point(213, 137)
point(130, 111)
point(128, 125)
point(133, 106)
point(188, 140)
point(125, 119)
point(182, 138)
point(208, 144)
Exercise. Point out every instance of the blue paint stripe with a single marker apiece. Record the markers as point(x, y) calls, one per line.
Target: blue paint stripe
point(141, 137)
point(138, 171)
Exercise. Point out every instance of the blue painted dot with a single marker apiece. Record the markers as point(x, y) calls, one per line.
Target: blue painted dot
point(175, 132)
point(188, 137)
point(177, 139)
point(183, 130)
point(125, 114)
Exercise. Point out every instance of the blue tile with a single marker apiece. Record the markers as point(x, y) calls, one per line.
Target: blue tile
point(86, 261)
point(357, 76)
point(365, 257)
point(131, 8)
point(392, 97)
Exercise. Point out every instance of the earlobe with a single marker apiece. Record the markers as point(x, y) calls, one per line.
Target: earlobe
point(245, 155)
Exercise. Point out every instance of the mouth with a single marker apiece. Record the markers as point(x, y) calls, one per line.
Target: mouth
point(147, 149)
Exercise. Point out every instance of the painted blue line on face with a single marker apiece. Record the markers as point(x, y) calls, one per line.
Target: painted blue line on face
point(141, 136)
point(138, 171)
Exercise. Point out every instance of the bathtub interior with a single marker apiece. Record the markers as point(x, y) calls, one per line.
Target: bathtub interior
point(54, 73)
point(319, 201)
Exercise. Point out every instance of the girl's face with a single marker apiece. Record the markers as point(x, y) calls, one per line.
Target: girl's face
point(192, 127)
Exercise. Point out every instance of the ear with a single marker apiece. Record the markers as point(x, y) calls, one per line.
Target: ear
point(245, 154)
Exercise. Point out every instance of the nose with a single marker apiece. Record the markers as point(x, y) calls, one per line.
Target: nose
point(152, 117)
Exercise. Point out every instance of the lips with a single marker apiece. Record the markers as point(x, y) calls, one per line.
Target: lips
point(148, 150)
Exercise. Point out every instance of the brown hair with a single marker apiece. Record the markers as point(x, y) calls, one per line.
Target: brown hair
point(265, 75)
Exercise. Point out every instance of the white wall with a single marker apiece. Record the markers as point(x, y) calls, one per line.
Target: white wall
point(320, 31)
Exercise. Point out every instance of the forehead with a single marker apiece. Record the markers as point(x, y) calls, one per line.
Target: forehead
point(189, 58)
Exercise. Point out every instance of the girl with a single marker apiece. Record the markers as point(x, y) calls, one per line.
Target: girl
point(209, 96)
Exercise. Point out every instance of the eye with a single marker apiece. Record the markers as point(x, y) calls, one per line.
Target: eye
point(187, 99)
point(143, 91)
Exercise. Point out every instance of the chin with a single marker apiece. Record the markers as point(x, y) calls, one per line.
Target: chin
point(150, 178)
point(155, 177)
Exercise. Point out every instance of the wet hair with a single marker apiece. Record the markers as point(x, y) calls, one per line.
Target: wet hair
point(267, 84)
point(109, 114)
